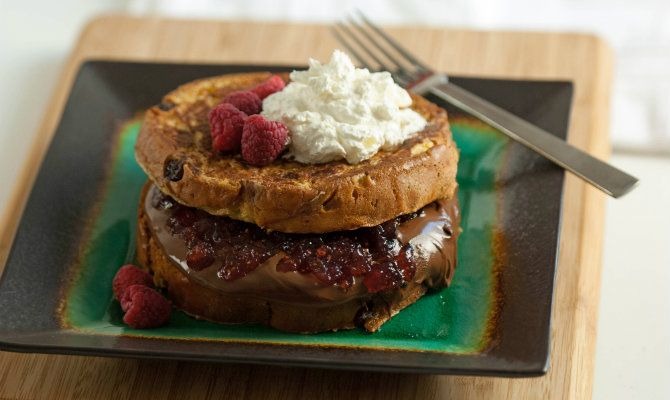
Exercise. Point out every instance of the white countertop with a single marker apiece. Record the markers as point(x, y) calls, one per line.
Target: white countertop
point(633, 345)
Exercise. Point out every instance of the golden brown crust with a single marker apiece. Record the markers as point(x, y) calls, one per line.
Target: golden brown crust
point(288, 196)
point(206, 303)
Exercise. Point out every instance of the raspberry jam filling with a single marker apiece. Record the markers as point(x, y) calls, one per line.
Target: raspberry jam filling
point(419, 246)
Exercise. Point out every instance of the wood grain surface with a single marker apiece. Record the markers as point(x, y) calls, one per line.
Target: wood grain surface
point(581, 58)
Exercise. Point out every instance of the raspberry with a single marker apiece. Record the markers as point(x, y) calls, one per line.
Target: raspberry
point(262, 140)
point(245, 100)
point(226, 123)
point(145, 307)
point(127, 276)
point(272, 85)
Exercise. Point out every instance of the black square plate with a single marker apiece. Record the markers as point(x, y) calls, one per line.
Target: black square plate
point(59, 270)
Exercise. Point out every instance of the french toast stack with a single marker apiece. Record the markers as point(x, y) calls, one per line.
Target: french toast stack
point(301, 248)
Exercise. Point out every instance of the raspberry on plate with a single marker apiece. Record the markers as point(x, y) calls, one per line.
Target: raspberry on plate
point(263, 140)
point(245, 100)
point(127, 276)
point(226, 123)
point(274, 84)
point(145, 307)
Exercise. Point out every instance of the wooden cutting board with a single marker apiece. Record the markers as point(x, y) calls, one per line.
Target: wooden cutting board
point(583, 59)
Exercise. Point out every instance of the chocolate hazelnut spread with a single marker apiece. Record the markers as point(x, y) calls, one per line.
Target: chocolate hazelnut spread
point(338, 267)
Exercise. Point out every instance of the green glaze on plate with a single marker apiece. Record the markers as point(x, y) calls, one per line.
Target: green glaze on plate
point(458, 320)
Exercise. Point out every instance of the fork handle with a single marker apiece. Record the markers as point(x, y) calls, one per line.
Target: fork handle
point(600, 174)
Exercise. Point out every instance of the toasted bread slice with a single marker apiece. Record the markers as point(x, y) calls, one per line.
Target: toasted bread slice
point(203, 302)
point(288, 196)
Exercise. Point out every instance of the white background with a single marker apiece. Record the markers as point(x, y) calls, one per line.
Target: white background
point(633, 348)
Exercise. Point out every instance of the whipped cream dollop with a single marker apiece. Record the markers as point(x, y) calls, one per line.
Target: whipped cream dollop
point(337, 111)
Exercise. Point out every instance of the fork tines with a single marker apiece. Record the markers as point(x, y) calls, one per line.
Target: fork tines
point(375, 49)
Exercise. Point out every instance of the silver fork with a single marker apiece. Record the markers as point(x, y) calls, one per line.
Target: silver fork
point(378, 48)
